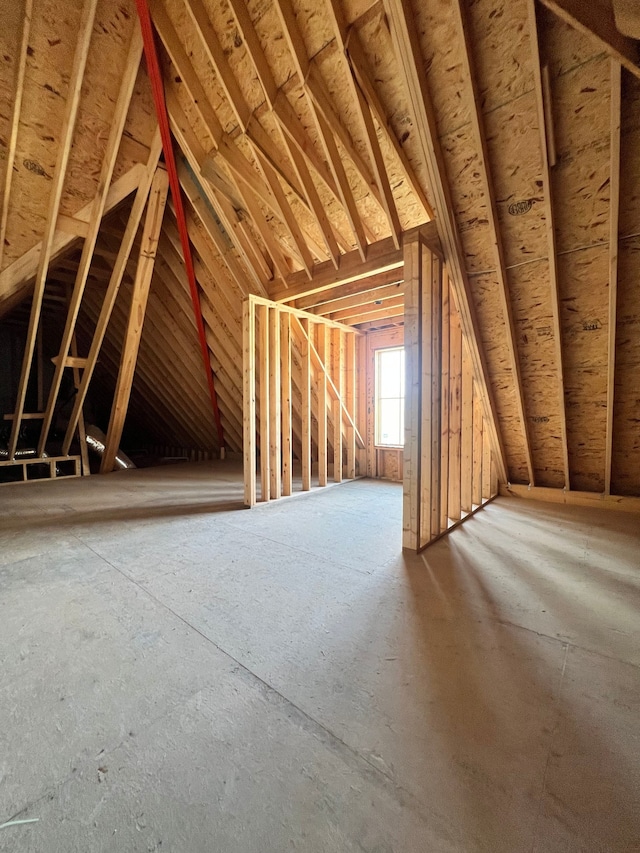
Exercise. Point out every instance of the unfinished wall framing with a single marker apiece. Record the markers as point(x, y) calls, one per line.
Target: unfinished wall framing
point(449, 462)
point(300, 400)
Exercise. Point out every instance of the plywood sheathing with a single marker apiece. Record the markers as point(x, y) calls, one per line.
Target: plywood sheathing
point(45, 91)
point(625, 474)
point(580, 85)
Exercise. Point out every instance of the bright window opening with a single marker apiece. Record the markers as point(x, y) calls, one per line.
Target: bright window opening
point(389, 407)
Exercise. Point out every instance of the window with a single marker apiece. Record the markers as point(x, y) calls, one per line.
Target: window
point(389, 407)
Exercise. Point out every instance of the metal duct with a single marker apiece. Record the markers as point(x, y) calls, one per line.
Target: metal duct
point(26, 453)
point(96, 440)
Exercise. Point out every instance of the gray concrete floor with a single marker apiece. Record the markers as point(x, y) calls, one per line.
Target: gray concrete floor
point(179, 674)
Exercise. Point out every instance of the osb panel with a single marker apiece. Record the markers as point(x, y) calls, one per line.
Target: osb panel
point(628, 325)
point(314, 25)
point(266, 22)
point(629, 156)
point(625, 462)
point(586, 407)
point(10, 39)
point(583, 283)
point(582, 133)
point(501, 50)
point(514, 154)
point(441, 49)
point(207, 76)
point(529, 291)
point(493, 343)
point(378, 48)
point(562, 46)
point(462, 165)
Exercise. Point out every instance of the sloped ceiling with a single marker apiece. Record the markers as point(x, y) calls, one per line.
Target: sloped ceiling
point(300, 153)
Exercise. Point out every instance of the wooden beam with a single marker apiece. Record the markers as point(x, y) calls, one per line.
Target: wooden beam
point(249, 398)
point(15, 121)
point(305, 408)
point(445, 429)
point(381, 257)
point(285, 366)
point(275, 404)
point(466, 438)
point(108, 164)
point(264, 419)
point(336, 369)
point(454, 501)
point(351, 373)
point(385, 196)
point(484, 170)
point(614, 215)
point(139, 295)
point(411, 68)
point(412, 485)
point(64, 150)
point(551, 233)
point(321, 384)
point(364, 77)
point(596, 500)
point(16, 277)
point(113, 288)
point(596, 20)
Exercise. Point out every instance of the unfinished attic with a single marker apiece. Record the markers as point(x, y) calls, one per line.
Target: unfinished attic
point(320, 426)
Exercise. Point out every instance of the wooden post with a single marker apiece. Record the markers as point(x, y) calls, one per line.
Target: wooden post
point(336, 358)
point(476, 495)
point(275, 416)
point(322, 407)
point(351, 403)
point(455, 415)
point(139, 295)
point(306, 407)
point(249, 401)
point(265, 420)
point(413, 394)
point(444, 405)
point(466, 441)
point(285, 362)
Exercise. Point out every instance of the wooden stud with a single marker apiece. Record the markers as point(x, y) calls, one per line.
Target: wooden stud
point(350, 345)
point(444, 405)
point(285, 360)
point(249, 401)
point(321, 384)
point(108, 164)
point(336, 369)
point(454, 502)
point(265, 420)
point(466, 437)
point(306, 405)
point(64, 149)
point(614, 211)
point(551, 234)
point(476, 495)
point(139, 295)
point(413, 342)
point(275, 408)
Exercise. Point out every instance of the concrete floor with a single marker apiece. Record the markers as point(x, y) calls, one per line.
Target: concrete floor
point(179, 674)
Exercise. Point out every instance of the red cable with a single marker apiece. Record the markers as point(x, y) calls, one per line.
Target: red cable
point(157, 87)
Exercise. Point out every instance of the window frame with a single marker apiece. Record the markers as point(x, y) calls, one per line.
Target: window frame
point(377, 398)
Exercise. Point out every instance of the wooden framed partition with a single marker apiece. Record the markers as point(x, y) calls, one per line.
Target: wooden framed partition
point(449, 465)
point(299, 400)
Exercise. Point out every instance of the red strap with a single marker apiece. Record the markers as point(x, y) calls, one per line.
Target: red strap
point(157, 87)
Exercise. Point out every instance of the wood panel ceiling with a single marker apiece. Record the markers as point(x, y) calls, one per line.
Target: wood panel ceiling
point(309, 136)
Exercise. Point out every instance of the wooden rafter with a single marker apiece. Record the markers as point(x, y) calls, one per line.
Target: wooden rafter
point(15, 121)
point(97, 212)
point(64, 149)
point(139, 295)
point(113, 288)
point(484, 169)
point(597, 20)
point(411, 66)
point(364, 114)
point(551, 234)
